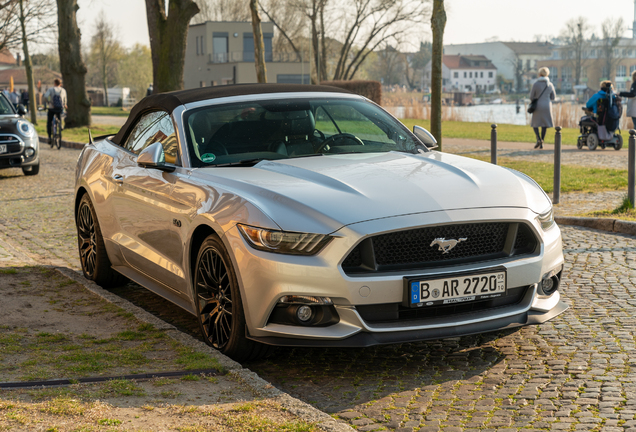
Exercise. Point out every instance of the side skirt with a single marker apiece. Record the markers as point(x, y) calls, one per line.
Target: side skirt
point(157, 287)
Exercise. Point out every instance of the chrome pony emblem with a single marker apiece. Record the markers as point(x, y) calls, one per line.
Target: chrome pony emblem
point(447, 245)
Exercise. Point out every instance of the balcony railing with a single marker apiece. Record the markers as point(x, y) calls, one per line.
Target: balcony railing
point(247, 56)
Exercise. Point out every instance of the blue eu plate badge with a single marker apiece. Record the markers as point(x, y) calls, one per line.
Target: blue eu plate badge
point(415, 292)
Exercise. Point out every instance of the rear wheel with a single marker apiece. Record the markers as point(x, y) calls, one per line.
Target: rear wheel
point(580, 142)
point(619, 142)
point(592, 141)
point(95, 263)
point(218, 304)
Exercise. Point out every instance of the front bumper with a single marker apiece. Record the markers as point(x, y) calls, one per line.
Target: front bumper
point(17, 157)
point(265, 277)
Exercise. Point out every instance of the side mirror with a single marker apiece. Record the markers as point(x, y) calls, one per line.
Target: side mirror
point(21, 109)
point(425, 136)
point(154, 157)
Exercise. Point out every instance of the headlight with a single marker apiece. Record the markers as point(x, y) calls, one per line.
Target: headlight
point(284, 242)
point(25, 129)
point(546, 219)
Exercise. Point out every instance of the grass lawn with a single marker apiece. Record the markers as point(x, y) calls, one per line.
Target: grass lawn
point(505, 132)
point(79, 134)
point(573, 178)
point(111, 111)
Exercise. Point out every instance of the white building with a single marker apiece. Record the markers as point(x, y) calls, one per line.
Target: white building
point(473, 74)
point(515, 61)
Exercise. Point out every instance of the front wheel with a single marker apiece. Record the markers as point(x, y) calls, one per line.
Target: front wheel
point(619, 142)
point(32, 170)
point(592, 141)
point(218, 304)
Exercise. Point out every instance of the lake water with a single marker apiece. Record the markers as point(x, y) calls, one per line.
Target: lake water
point(496, 113)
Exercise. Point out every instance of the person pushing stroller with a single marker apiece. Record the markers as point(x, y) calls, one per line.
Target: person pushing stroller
point(599, 125)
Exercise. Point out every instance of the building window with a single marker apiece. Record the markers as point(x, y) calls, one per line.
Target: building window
point(220, 47)
point(632, 68)
point(248, 46)
point(621, 85)
point(593, 53)
point(621, 71)
point(465, 75)
point(554, 71)
point(605, 73)
point(489, 74)
point(455, 74)
point(481, 74)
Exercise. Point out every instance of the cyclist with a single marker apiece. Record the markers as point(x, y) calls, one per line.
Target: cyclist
point(56, 99)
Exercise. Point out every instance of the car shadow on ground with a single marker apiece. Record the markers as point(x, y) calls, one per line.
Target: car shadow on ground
point(338, 379)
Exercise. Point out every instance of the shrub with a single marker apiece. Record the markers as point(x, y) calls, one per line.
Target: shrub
point(368, 89)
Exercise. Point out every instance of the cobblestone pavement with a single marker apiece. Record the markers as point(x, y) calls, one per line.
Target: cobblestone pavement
point(577, 372)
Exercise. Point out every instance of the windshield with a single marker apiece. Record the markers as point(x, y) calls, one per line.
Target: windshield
point(5, 106)
point(245, 133)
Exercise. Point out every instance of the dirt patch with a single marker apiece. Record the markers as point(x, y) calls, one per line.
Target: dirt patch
point(53, 328)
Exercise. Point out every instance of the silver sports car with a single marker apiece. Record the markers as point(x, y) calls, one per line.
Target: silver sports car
point(308, 216)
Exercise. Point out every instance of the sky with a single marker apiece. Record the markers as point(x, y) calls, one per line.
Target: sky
point(468, 21)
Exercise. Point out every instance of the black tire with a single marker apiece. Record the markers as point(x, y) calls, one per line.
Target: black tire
point(57, 141)
point(619, 142)
point(218, 304)
point(592, 141)
point(579, 143)
point(92, 251)
point(32, 170)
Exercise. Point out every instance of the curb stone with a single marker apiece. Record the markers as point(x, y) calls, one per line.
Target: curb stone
point(611, 225)
point(250, 379)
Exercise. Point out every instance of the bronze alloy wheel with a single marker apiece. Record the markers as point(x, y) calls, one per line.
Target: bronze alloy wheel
point(92, 251)
point(86, 239)
point(214, 298)
point(218, 303)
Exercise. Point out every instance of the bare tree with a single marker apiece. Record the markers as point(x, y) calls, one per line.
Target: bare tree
point(10, 34)
point(575, 35)
point(612, 31)
point(168, 35)
point(71, 64)
point(285, 13)
point(314, 12)
point(105, 51)
point(36, 18)
point(259, 45)
point(370, 23)
point(438, 23)
point(222, 10)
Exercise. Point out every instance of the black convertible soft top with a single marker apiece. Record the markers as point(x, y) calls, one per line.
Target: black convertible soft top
point(171, 100)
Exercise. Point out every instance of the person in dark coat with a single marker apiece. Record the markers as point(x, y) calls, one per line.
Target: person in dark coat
point(24, 97)
point(631, 103)
point(543, 91)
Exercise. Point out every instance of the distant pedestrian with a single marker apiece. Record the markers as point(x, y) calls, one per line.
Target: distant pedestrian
point(150, 90)
point(14, 98)
point(631, 103)
point(24, 96)
point(543, 91)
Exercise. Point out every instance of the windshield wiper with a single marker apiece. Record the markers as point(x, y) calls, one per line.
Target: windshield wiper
point(250, 162)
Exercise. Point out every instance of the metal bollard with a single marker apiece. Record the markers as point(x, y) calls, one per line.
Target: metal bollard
point(493, 144)
point(556, 190)
point(631, 162)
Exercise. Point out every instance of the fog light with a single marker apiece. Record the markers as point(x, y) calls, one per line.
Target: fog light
point(29, 152)
point(547, 285)
point(304, 313)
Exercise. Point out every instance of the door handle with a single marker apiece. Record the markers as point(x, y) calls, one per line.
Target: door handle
point(118, 178)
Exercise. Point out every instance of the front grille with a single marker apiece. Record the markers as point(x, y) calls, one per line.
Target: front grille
point(415, 248)
point(395, 312)
point(14, 145)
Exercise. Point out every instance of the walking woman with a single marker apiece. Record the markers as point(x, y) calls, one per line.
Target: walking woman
point(543, 91)
point(631, 103)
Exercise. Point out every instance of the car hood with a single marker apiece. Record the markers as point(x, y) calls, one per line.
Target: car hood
point(323, 193)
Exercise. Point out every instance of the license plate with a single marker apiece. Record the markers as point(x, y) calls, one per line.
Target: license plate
point(457, 288)
point(3, 148)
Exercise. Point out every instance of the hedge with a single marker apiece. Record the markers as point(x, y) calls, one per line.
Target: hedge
point(368, 89)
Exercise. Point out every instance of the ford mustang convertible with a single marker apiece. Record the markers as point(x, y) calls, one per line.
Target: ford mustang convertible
point(308, 216)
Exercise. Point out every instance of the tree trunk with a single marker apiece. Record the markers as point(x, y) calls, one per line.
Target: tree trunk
point(27, 67)
point(315, 76)
point(71, 64)
point(168, 41)
point(438, 22)
point(323, 48)
point(259, 45)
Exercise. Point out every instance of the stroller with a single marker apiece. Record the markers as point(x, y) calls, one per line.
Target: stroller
point(593, 135)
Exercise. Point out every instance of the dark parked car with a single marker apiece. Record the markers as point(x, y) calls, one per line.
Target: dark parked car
point(18, 139)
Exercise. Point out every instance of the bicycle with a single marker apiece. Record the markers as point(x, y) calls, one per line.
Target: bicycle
point(56, 132)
